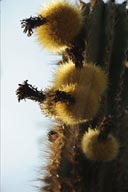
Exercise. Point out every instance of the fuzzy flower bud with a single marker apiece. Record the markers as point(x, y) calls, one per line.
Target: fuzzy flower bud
point(64, 22)
point(85, 86)
point(96, 150)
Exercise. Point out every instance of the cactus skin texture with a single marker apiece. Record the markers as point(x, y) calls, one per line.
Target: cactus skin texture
point(90, 156)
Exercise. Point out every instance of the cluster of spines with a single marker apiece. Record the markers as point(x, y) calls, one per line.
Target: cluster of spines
point(70, 174)
point(63, 171)
point(52, 179)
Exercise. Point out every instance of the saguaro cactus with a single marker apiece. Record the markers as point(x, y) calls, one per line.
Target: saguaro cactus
point(88, 97)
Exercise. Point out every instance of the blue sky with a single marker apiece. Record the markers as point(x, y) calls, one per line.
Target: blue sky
point(24, 127)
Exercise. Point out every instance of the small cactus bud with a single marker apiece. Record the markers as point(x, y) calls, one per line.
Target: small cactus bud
point(97, 150)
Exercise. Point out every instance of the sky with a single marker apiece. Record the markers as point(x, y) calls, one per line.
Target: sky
point(24, 145)
point(24, 127)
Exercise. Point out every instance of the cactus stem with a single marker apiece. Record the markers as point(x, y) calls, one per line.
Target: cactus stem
point(105, 128)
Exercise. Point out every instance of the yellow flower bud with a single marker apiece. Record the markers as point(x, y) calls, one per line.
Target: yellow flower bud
point(86, 85)
point(64, 22)
point(97, 150)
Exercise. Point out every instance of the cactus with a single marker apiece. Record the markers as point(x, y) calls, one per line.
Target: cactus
point(88, 97)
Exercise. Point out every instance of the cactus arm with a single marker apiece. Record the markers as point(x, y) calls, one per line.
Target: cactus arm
point(77, 174)
point(118, 57)
point(103, 41)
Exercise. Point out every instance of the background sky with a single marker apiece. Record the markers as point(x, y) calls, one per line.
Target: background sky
point(24, 127)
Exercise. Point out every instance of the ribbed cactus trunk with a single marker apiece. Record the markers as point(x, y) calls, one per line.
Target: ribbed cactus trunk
point(102, 41)
point(105, 37)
